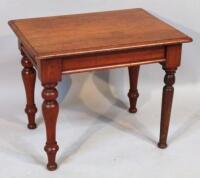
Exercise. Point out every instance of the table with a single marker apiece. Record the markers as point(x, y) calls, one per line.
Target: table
point(68, 44)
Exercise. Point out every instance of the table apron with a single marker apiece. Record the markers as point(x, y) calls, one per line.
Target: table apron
point(113, 60)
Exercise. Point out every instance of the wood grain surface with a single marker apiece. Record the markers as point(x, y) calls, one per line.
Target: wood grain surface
point(50, 37)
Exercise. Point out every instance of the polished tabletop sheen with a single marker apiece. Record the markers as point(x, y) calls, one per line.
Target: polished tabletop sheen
point(67, 35)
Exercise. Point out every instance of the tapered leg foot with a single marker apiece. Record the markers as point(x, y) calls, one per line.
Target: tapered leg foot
point(162, 145)
point(133, 92)
point(52, 167)
point(50, 112)
point(31, 111)
point(32, 126)
point(167, 99)
point(29, 77)
point(51, 151)
point(134, 110)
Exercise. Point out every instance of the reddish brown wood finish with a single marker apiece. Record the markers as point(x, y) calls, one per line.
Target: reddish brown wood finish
point(29, 77)
point(50, 112)
point(122, 58)
point(87, 42)
point(133, 92)
point(61, 36)
point(173, 58)
point(168, 92)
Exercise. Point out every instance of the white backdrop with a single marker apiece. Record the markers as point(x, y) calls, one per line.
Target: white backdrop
point(93, 115)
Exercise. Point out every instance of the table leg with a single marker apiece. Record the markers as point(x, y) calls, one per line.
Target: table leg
point(133, 92)
point(50, 110)
point(167, 98)
point(29, 77)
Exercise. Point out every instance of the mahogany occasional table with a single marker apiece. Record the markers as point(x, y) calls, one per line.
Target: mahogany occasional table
point(68, 44)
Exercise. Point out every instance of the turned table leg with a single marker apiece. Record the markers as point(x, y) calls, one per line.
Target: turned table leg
point(50, 112)
point(133, 92)
point(167, 98)
point(29, 76)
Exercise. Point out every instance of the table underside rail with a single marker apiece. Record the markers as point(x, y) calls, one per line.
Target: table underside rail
point(113, 60)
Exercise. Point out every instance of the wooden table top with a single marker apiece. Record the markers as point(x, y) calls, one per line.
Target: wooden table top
point(61, 36)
